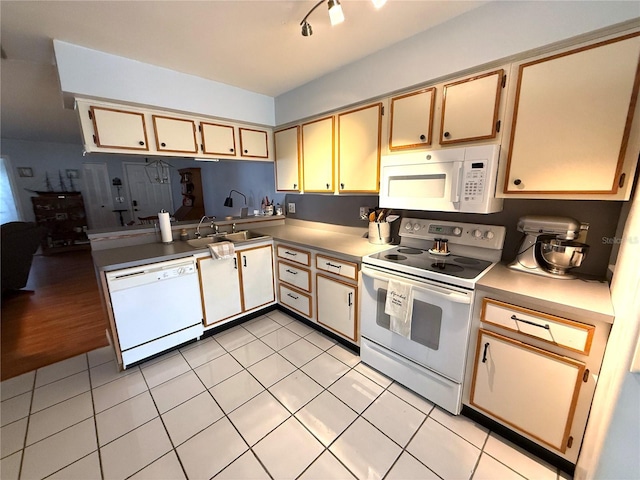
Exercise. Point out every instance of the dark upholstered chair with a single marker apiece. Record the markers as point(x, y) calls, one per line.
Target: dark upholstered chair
point(18, 242)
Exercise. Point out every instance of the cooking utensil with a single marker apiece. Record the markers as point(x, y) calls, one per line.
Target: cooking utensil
point(372, 217)
point(381, 215)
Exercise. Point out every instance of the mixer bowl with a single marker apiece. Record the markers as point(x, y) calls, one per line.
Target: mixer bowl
point(562, 255)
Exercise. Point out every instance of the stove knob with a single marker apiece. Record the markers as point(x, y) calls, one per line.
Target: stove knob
point(476, 234)
point(457, 231)
point(489, 234)
point(416, 227)
point(408, 226)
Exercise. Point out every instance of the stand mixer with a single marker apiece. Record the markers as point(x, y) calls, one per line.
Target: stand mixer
point(549, 247)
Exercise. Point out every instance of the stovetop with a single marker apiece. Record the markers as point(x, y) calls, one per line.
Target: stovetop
point(410, 259)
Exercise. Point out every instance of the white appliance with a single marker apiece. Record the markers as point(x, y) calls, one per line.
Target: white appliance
point(155, 307)
point(447, 180)
point(431, 360)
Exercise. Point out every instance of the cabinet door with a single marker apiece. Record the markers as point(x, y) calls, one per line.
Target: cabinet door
point(175, 134)
point(317, 155)
point(412, 120)
point(572, 119)
point(288, 160)
point(528, 388)
point(337, 305)
point(253, 143)
point(220, 287)
point(257, 276)
point(359, 149)
point(119, 129)
point(218, 139)
point(470, 108)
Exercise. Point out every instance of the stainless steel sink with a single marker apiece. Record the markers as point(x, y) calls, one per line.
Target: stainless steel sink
point(236, 237)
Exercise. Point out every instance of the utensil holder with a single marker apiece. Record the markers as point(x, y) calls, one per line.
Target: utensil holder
point(379, 233)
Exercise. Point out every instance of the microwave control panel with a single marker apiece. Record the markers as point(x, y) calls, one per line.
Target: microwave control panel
point(473, 182)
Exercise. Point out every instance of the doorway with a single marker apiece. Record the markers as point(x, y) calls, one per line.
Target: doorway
point(97, 191)
point(147, 198)
point(10, 210)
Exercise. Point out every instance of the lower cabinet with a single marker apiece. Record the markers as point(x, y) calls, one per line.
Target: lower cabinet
point(528, 388)
point(236, 285)
point(337, 306)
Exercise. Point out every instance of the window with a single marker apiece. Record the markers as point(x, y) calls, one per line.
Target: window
point(9, 205)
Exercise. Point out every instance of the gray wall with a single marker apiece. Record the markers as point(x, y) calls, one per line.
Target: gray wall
point(602, 217)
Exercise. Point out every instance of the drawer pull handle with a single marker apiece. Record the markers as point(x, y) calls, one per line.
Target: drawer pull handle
point(350, 293)
point(291, 272)
point(484, 354)
point(329, 264)
point(235, 263)
point(244, 260)
point(545, 326)
point(287, 252)
point(292, 296)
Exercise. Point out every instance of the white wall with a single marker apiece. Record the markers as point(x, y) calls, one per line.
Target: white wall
point(87, 72)
point(492, 32)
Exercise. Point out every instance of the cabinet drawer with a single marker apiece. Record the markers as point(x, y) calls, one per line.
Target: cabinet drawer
point(294, 255)
point(549, 328)
point(338, 267)
point(298, 277)
point(298, 301)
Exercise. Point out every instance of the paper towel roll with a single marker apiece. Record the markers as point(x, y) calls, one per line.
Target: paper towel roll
point(165, 227)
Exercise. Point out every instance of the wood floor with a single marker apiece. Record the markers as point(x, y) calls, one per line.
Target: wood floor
point(56, 316)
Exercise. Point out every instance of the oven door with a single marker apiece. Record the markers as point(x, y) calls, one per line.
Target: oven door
point(440, 322)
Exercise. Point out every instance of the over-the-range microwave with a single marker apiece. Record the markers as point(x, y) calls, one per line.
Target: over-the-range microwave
point(447, 180)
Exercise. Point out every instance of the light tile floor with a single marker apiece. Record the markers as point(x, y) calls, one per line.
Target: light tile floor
point(271, 398)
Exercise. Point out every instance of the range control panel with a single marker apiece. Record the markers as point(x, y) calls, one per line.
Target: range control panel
point(472, 234)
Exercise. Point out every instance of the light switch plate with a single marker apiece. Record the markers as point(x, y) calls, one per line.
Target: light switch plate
point(291, 207)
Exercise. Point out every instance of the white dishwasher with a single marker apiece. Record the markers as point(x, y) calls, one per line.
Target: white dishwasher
point(155, 307)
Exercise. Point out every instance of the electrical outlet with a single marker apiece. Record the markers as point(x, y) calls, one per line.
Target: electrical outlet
point(120, 199)
point(364, 211)
point(291, 207)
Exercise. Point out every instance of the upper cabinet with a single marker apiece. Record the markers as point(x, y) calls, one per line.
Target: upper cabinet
point(317, 155)
point(175, 134)
point(254, 143)
point(470, 108)
point(412, 120)
point(117, 129)
point(572, 131)
point(359, 133)
point(218, 139)
point(287, 161)
point(111, 128)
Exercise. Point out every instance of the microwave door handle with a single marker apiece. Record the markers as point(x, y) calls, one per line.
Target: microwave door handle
point(451, 296)
point(457, 185)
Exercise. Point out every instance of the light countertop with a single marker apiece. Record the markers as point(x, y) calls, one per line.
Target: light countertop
point(589, 300)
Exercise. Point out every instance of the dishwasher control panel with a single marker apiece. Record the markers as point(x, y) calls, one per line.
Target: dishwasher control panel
point(175, 272)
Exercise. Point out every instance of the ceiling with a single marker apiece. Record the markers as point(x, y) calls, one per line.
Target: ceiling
point(253, 45)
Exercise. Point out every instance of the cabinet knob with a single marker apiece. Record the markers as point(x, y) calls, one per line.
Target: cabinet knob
point(141, 142)
point(246, 151)
point(231, 150)
point(295, 185)
point(517, 181)
point(327, 186)
point(423, 137)
point(447, 134)
point(163, 144)
point(342, 186)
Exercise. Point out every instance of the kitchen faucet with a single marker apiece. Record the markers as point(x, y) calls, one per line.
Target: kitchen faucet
point(197, 234)
point(233, 228)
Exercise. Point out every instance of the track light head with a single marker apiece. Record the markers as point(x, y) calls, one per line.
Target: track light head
point(307, 31)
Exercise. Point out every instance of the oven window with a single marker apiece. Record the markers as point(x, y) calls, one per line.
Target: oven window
point(426, 321)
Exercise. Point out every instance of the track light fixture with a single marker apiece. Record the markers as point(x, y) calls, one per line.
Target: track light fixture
point(336, 15)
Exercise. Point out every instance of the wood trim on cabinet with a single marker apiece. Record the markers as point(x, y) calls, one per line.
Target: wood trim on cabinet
point(377, 182)
point(574, 401)
point(308, 254)
point(590, 329)
point(297, 267)
point(333, 152)
point(144, 147)
point(625, 137)
point(496, 109)
point(275, 160)
point(306, 295)
point(163, 149)
point(355, 303)
point(204, 139)
point(429, 126)
point(266, 143)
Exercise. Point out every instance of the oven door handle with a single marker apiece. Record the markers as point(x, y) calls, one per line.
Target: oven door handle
point(432, 289)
